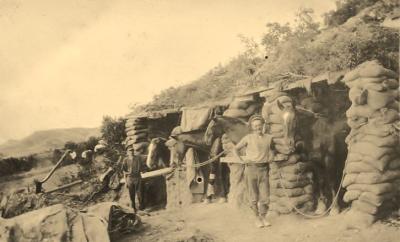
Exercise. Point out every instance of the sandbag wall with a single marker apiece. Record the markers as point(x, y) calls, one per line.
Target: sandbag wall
point(372, 173)
point(243, 107)
point(136, 128)
point(290, 177)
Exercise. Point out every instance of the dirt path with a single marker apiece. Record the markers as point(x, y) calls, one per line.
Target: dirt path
point(220, 222)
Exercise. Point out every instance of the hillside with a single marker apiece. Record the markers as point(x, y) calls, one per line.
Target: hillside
point(356, 31)
point(45, 140)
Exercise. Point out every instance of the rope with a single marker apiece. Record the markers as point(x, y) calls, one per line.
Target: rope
point(327, 210)
point(209, 161)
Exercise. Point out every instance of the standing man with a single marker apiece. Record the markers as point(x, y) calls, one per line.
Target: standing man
point(131, 167)
point(258, 153)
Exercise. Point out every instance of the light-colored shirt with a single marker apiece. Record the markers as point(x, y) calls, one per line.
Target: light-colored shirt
point(257, 147)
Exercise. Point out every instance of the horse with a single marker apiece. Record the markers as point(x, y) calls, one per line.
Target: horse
point(234, 128)
point(158, 154)
point(191, 148)
point(327, 151)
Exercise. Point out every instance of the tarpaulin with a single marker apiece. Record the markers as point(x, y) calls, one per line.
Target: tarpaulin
point(195, 118)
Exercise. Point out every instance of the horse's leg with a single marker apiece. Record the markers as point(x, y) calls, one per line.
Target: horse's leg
point(319, 186)
point(331, 176)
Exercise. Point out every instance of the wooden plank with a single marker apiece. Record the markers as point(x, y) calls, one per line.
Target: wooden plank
point(156, 173)
point(231, 159)
point(65, 186)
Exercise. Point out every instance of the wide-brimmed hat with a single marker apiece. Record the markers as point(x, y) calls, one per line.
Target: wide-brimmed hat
point(256, 117)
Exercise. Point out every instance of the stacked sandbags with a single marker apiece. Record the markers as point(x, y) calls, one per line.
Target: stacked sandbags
point(372, 172)
point(243, 107)
point(290, 176)
point(136, 129)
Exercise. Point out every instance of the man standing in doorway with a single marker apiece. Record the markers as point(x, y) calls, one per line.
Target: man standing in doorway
point(131, 167)
point(258, 153)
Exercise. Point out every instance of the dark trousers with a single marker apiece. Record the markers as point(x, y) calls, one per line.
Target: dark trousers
point(135, 189)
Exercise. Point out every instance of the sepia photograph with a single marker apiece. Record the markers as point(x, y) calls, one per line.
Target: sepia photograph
point(199, 121)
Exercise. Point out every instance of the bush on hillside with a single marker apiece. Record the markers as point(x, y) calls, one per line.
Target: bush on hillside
point(353, 35)
point(12, 165)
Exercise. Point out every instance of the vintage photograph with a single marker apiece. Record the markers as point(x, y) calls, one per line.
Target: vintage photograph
point(199, 121)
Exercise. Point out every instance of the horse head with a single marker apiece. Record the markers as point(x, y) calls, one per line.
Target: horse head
point(177, 150)
point(154, 151)
point(288, 115)
point(234, 128)
point(214, 130)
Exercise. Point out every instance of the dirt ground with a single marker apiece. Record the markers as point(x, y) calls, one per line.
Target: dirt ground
point(221, 222)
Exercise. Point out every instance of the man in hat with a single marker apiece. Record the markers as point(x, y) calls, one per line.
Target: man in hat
point(258, 153)
point(131, 167)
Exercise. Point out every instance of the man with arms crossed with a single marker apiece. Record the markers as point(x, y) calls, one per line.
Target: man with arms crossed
point(258, 153)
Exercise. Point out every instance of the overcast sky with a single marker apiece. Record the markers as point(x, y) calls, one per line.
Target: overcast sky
point(68, 63)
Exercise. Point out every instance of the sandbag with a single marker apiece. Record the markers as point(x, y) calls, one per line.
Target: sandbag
point(377, 189)
point(364, 207)
point(370, 177)
point(390, 84)
point(358, 219)
point(358, 167)
point(300, 200)
point(388, 141)
point(236, 113)
point(374, 69)
point(294, 192)
point(140, 133)
point(377, 100)
point(136, 127)
point(377, 130)
point(290, 185)
point(357, 122)
point(374, 199)
point(131, 123)
point(384, 116)
point(357, 96)
point(238, 104)
point(369, 149)
point(394, 164)
point(380, 164)
point(297, 168)
point(368, 69)
point(360, 111)
point(289, 160)
point(351, 195)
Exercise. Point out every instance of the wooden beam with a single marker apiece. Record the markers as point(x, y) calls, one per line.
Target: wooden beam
point(65, 186)
point(156, 173)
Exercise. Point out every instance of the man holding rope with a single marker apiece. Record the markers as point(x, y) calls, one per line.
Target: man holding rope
point(258, 153)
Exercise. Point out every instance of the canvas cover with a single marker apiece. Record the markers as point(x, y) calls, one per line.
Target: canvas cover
point(195, 118)
point(101, 223)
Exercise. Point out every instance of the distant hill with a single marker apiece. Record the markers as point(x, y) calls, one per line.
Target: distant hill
point(45, 140)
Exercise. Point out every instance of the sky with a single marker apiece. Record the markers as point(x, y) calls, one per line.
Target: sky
point(68, 63)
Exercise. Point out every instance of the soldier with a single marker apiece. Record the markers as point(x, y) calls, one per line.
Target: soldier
point(258, 154)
